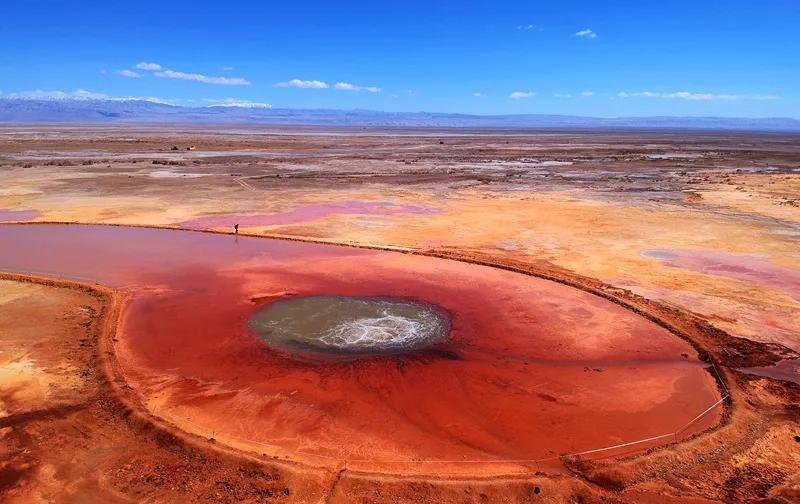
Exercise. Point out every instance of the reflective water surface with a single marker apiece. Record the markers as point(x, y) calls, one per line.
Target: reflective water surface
point(529, 368)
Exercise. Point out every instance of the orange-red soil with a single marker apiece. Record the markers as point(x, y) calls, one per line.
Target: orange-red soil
point(147, 458)
point(707, 236)
point(532, 370)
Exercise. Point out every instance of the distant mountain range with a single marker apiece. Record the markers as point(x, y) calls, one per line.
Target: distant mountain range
point(140, 111)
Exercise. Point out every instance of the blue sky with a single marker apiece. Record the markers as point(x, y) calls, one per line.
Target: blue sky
point(610, 58)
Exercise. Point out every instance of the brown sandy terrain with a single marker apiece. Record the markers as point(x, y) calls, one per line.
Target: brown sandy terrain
point(696, 231)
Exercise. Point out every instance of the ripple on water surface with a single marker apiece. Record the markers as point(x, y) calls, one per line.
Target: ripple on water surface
point(350, 325)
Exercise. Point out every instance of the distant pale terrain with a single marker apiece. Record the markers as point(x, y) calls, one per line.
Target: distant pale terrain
point(141, 111)
point(696, 230)
point(706, 222)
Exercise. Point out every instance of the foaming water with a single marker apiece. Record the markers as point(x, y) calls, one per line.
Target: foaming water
point(350, 325)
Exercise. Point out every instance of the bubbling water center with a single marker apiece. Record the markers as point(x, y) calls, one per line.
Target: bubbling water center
point(379, 360)
point(350, 325)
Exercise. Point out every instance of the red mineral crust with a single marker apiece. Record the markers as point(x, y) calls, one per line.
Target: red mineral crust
point(531, 369)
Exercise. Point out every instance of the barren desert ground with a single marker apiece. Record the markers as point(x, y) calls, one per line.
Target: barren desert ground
point(622, 312)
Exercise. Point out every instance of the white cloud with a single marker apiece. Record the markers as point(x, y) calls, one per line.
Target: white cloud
point(38, 94)
point(80, 95)
point(235, 102)
point(151, 99)
point(128, 73)
point(529, 27)
point(563, 95)
point(685, 95)
point(160, 71)
point(227, 68)
point(225, 81)
point(518, 95)
point(346, 86)
point(478, 95)
point(303, 84)
point(587, 33)
point(587, 93)
point(148, 66)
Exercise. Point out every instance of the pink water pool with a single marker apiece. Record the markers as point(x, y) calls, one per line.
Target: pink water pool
point(749, 268)
point(523, 369)
point(17, 215)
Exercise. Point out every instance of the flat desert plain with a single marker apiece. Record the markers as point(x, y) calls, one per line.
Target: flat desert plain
point(622, 313)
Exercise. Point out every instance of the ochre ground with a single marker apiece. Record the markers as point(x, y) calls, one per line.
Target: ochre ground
point(704, 226)
point(593, 203)
point(530, 370)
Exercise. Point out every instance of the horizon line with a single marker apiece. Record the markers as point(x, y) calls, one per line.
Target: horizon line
point(266, 109)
